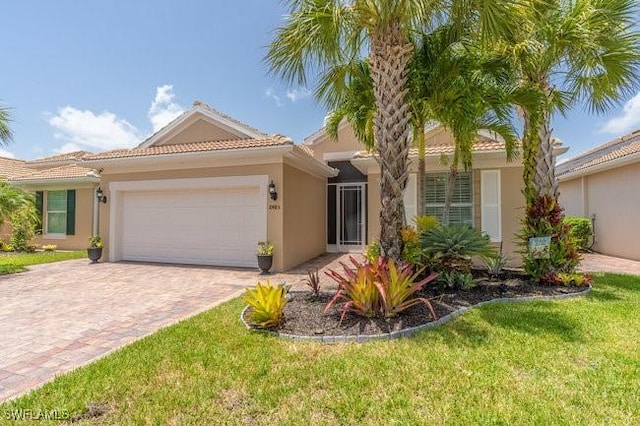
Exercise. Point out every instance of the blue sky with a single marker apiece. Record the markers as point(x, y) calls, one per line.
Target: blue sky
point(101, 75)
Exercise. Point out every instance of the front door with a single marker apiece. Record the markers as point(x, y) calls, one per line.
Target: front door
point(347, 229)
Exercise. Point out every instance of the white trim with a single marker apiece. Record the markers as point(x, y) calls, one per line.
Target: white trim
point(225, 122)
point(315, 137)
point(117, 189)
point(488, 177)
point(339, 156)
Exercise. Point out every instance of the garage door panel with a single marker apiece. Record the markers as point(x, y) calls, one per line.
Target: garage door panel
point(211, 226)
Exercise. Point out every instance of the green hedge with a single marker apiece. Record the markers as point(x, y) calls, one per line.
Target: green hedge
point(581, 230)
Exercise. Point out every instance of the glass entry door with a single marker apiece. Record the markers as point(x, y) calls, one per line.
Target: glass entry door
point(349, 226)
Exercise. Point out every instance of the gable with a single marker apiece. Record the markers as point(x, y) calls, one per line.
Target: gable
point(201, 124)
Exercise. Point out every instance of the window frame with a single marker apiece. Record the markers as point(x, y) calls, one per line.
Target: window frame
point(470, 204)
point(66, 212)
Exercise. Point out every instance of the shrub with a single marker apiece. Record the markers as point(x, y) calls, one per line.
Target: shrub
point(23, 231)
point(266, 304)
point(49, 247)
point(382, 289)
point(450, 248)
point(411, 251)
point(7, 248)
point(456, 280)
point(425, 223)
point(545, 218)
point(313, 282)
point(372, 252)
point(581, 229)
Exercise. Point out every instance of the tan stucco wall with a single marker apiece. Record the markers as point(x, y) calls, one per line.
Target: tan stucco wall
point(199, 131)
point(512, 210)
point(571, 197)
point(304, 213)
point(295, 223)
point(612, 196)
point(346, 142)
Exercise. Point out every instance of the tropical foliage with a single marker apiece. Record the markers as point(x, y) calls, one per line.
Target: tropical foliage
point(6, 135)
point(581, 229)
point(383, 289)
point(545, 218)
point(450, 248)
point(266, 304)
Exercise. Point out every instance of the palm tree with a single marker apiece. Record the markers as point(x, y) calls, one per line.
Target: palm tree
point(14, 200)
point(319, 35)
point(568, 52)
point(6, 135)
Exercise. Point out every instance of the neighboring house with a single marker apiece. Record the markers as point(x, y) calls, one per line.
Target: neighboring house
point(603, 184)
point(9, 168)
point(488, 197)
point(65, 198)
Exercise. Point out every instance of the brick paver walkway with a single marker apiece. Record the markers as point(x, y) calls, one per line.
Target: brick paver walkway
point(594, 262)
point(59, 316)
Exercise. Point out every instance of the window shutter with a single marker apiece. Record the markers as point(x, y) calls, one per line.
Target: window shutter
point(39, 209)
point(71, 212)
point(411, 199)
point(490, 204)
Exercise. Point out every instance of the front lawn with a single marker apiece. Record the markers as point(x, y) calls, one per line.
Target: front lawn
point(565, 362)
point(17, 262)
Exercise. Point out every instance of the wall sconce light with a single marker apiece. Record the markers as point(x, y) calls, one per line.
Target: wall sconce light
point(272, 191)
point(100, 196)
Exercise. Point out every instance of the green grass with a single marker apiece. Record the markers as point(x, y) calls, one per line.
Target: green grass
point(570, 362)
point(11, 263)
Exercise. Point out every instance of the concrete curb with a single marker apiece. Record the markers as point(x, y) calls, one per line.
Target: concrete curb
point(407, 331)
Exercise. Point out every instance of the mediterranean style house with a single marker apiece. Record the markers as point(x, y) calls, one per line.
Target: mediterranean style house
point(206, 188)
point(602, 184)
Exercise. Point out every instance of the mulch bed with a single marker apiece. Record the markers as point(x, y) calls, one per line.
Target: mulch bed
point(304, 314)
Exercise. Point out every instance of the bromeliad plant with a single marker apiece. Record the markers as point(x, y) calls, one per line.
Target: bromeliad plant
point(313, 282)
point(266, 304)
point(381, 289)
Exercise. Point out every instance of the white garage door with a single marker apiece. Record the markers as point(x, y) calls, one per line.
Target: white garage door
point(218, 226)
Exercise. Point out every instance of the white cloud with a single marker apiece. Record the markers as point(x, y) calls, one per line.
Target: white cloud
point(163, 109)
point(68, 147)
point(627, 120)
point(273, 95)
point(296, 94)
point(90, 131)
point(6, 154)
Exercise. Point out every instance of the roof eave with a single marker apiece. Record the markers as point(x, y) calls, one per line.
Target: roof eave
point(54, 181)
point(602, 167)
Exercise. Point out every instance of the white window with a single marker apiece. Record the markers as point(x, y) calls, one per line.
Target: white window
point(461, 211)
point(57, 212)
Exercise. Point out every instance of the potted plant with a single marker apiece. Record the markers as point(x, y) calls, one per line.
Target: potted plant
point(94, 252)
point(265, 256)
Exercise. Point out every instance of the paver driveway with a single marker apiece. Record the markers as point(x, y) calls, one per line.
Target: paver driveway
point(59, 316)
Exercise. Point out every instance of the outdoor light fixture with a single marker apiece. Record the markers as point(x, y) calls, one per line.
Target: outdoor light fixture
point(272, 191)
point(100, 196)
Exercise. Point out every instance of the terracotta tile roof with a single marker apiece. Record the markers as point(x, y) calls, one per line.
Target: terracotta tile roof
point(274, 140)
point(618, 148)
point(69, 171)
point(10, 167)
point(207, 106)
point(68, 156)
point(483, 145)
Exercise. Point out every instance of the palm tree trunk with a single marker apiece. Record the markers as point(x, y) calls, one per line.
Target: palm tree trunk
point(389, 57)
point(422, 168)
point(451, 185)
point(544, 182)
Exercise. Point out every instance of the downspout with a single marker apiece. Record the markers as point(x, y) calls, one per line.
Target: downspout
point(96, 223)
